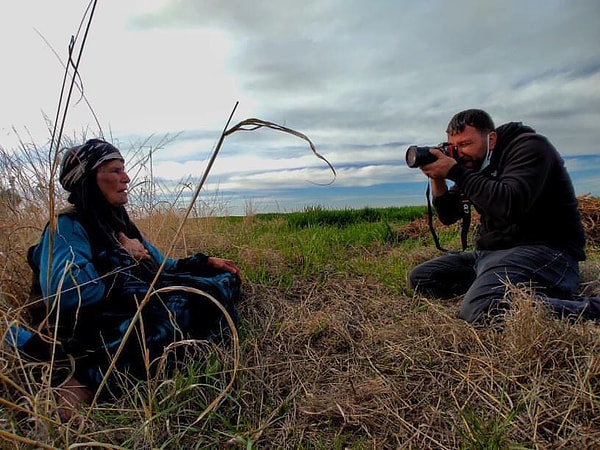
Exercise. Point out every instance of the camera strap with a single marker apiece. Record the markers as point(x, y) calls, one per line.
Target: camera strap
point(466, 223)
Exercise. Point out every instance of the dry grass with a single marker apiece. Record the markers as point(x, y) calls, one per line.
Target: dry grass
point(336, 358)
point(350, 359)
point(590, 215)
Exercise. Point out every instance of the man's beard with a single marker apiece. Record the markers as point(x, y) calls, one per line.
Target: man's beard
point(469, 163)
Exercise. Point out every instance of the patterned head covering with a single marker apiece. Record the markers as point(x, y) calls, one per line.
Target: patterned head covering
point(83, 159)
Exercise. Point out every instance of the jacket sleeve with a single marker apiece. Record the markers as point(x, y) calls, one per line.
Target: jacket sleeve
point(197, 264)
point(68, 276)
point(525, 168)
point(194, 264)
point(159, 256)
point(449, 206)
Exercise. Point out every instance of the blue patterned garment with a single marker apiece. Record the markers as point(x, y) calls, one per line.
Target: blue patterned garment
point(86, 288)
point(93, 302)
point(166, 318)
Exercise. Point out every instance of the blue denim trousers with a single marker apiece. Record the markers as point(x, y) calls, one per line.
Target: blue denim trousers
point(483, 275)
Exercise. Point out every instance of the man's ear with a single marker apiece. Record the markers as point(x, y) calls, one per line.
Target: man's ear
point(493, 137)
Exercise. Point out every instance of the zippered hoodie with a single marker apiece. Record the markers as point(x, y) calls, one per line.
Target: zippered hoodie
point(524, 196)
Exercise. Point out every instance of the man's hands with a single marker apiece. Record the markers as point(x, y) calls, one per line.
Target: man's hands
point(133, 246)
point(438, 170)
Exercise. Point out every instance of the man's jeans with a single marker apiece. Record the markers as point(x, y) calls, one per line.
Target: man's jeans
point(483, 275)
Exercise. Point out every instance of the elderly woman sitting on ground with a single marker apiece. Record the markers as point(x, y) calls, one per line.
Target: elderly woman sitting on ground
point(92, 272)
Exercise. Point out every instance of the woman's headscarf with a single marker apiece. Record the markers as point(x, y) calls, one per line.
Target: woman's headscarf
point(101, 220)
point(81, 160)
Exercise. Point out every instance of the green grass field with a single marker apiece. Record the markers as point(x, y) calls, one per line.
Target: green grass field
point(332, 351)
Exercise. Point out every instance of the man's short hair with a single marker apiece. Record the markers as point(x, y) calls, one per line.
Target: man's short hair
point(476, 118)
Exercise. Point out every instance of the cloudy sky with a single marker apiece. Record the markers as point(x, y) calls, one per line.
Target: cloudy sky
point(363, 79)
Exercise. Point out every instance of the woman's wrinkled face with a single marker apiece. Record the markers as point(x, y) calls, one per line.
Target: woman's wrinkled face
point(112, 181)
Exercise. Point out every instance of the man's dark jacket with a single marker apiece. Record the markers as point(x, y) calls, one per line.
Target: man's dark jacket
point(524, 196)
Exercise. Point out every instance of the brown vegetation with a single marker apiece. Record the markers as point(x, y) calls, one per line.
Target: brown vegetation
point(338, 357)
point(589, 207)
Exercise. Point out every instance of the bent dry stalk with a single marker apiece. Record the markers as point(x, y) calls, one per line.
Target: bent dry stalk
point(245, 125)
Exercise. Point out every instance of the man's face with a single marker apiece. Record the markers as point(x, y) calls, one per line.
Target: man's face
point(112, 181)
point(472, 146)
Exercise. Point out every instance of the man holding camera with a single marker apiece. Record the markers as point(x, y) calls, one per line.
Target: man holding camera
point(530, 231)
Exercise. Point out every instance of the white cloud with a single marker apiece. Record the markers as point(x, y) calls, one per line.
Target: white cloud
point(354, 76)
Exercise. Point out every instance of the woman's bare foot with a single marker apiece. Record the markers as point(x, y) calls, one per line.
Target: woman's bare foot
point(70, 395)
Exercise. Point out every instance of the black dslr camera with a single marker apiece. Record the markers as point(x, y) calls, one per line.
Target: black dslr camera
point(420, 156)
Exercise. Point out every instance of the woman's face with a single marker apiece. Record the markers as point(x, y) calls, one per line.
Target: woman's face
point(112, 181)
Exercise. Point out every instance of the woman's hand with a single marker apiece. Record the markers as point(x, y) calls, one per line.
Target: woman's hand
point(225, 265)
point(133, 246)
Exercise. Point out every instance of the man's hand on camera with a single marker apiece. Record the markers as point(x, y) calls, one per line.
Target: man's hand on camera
point(438, 170)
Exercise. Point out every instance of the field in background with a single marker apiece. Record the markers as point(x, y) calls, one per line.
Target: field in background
point(334, 351)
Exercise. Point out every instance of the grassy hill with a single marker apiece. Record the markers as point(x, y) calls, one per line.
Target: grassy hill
point(332, 350)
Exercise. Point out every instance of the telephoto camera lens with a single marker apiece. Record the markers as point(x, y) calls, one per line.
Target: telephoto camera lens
point(419, 156)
